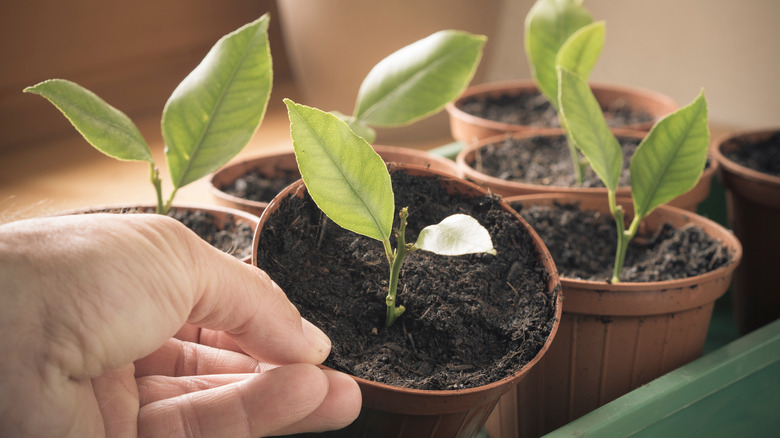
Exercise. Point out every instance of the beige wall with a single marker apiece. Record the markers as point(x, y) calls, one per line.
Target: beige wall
point(729, 47)
point(131, 53)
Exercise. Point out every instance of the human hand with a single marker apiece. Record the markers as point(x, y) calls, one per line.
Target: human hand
point(88, 308)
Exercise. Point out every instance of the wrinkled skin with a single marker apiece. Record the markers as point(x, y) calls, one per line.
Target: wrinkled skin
point(130, 325)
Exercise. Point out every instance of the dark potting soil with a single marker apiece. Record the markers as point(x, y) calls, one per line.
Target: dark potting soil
point(533, 109)
point(582, 244)
point(256, 186)
point(227, 236)
point(544, 161)
point(469, 320)
point(761, 156)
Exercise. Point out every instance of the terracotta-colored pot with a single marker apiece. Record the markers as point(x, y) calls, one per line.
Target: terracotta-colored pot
point(283, 163)
point(753, 208)
point(223, 214)
point(469, 128)
point(466, 161)
point(390, 411)
point(614, 337)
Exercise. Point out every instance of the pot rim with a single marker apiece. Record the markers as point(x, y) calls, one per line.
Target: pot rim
point(738, 169)
point(519, 85)
point(219, 178)
point(517, 186)
point(419, 399)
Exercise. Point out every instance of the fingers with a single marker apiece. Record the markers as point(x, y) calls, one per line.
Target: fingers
point(243, 302)
point(340, 408)
point(113, 288)
point(287, 399)
point(177, 358)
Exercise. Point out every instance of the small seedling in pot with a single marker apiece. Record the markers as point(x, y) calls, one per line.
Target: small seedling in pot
point(415, 82)
point(350, 183)
point(562, 33)
point(668, 162)
point(208, 119)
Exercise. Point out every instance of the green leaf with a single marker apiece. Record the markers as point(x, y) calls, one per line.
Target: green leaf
point(419, 80)
point(548, 25)
point(217, 108)
point(670, 160)
point(584, 120)
point(343, 174)
point(357, 126)
point(580, 52)
point(106, 128)
point(455, 235)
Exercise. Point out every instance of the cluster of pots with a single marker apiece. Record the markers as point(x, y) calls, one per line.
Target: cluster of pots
point(608, 338)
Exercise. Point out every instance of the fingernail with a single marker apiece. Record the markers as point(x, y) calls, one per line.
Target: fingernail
point(317, 339)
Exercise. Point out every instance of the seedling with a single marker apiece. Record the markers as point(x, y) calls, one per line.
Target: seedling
point(415, 82)
point(562, 32)
point(208, 119)
point(350, 183)
point(668, 162)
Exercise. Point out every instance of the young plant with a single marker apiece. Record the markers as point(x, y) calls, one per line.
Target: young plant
point(208, 119)
point(350, 183)
point(562, 32)
point(415, 82)
point(668, 162)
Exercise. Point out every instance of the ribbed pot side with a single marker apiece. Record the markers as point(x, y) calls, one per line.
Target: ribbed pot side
point(614, 338)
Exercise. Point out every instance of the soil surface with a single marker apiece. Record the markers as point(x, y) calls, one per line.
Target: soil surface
point(230, 237)
point(544, 161)
point(469, 320)
point(761, 156)
point(227, 236)
point(533, 109)
point(583, 243)
point(255, 186)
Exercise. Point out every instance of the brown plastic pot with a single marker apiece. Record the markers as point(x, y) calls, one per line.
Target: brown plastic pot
point(284, 163)
point(614, 337)
point(390, 411)
point(469, 128)
point(224, 214)
point(753, 208)
point(466, 161)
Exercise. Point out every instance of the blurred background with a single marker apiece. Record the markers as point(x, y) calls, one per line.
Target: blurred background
point(133, 53)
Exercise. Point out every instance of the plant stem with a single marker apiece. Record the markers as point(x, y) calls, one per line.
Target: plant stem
point(169, 202)
point(622, 241)
point(579, 167)
point(623, 236)
point(393, 311)
point(154, 176)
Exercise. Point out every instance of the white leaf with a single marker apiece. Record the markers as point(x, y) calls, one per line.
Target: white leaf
point(455, 235)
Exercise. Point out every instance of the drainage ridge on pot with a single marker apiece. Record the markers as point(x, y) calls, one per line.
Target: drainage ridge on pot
point(753, 203)
point(395, 411)
point(614, 337)
point(467, 158)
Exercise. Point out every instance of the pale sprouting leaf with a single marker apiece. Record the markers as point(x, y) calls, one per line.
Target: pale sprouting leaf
point(671, 159)
point(580, 52)
point(345, 177)
point(106, 128)
point(548, 25)
point(587, 128)
point(217, 108)
point(419, 79)
point(455, 235)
